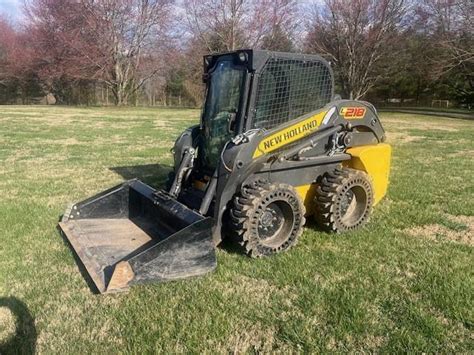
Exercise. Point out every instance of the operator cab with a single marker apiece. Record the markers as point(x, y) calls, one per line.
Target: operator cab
point(254, 89)
point(225, 78)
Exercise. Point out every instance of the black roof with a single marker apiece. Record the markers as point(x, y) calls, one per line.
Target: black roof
point(257, 58)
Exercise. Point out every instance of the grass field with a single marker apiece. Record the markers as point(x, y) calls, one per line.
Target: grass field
point(405, 282)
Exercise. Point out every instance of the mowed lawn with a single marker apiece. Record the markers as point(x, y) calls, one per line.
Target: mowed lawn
point(405, 282)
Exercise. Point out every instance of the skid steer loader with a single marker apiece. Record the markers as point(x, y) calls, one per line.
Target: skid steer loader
point(274, 146)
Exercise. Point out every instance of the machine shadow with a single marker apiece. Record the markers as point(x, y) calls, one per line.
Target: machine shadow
point(24, 339)
point(312, 225)
point(155, 175)
point(231, 247)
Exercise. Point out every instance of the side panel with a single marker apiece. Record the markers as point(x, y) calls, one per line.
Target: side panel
point(289, 134)
point(375, 161)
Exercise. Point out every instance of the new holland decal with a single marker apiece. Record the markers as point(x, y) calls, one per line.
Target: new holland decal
point(289, 134)
point(353, 113)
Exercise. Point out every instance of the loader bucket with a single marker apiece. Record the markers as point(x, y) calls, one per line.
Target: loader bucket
point(132, 233)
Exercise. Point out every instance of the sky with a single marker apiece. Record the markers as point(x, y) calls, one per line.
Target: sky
point(10, 8)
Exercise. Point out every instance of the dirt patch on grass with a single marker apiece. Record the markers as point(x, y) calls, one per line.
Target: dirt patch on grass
point(54, 328)
point(374, 342)
point(438, 232)
point(250, 338)
point(166, 125)
point(462, 153)
point(371, 343)
point(422, 124)
point(256, 289)
point(62, 142)
point(18, 154)
point(7, 324)
point(399, 137)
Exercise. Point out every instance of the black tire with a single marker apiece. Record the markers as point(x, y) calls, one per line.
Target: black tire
point(267, 218)
point(344, 200)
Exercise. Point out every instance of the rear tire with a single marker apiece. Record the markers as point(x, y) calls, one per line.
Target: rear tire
point(267, 218)
point(344, 200)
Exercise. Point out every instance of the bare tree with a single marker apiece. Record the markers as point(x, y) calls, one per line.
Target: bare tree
point(8, 48)
point(133, 30)
point(449, 27)
point(5, 40)
point(113, 41)
point(451, 23)
point(226, 25)
point(358, 37)
point(17, 74)
point(285, 26)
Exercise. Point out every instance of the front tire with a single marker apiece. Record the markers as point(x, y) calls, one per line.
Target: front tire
point(267, 218)
point(344, 200)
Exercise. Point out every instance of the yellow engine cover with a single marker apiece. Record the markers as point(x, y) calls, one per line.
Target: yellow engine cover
point(307, 194)
point(375, 161)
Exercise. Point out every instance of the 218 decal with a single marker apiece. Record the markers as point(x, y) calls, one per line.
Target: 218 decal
point(353, 113)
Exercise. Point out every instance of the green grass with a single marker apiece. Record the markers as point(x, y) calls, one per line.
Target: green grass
point(403, 283)
point(428, 108)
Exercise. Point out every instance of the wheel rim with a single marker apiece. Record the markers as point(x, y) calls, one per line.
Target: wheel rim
point(353, 205)
point(275, 224)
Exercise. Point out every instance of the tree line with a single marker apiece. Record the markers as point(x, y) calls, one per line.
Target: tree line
point(149, 52)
